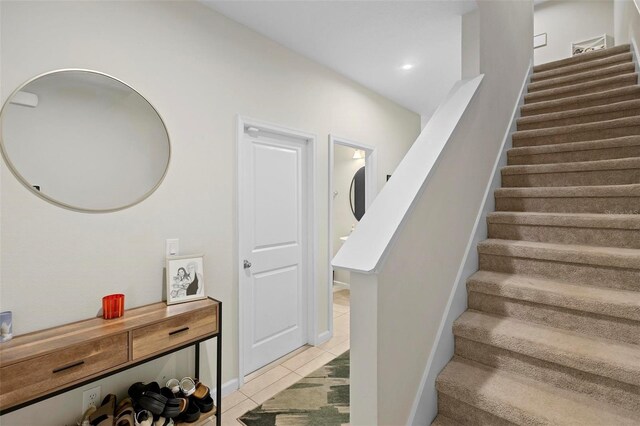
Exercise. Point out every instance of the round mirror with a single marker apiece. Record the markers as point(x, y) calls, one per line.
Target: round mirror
point(84, 140)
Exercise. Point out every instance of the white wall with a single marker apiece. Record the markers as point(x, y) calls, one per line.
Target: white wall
point(344, 167)
point(567, 21)
point(470, 50)
point(417, 279)
point(199, 70)
point(626, 21)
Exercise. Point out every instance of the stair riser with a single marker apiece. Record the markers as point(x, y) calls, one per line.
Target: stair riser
point(595, 66)
point(626, 373)
point(570, 79)
point(575, 156)
point(541, 97)
point(600, 276)
point(569, 105)
point(608, 205)
point(581, 119)
point(576, 136)
point(623, 238)
point(466, 414)
point(582, 59)
point(579, 321)
point(604, 389)
point(583, 178)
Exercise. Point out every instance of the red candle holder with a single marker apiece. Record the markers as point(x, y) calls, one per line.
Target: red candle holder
point(113, 306)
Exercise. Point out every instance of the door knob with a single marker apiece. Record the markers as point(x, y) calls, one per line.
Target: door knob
point(246, 264)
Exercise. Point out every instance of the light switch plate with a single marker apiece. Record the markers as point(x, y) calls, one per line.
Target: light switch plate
point(173, 247)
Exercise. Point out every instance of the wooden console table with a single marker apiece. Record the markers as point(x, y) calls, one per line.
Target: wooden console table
point(46, 363)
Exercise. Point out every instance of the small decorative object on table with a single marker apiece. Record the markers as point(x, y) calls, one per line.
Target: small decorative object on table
point(113, 306)
point(185, 280)
point(6, 328)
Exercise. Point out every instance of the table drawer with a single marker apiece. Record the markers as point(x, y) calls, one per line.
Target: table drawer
point(174, 332)
point(45, 373)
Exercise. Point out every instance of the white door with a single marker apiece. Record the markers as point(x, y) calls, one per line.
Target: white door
point(273, 242)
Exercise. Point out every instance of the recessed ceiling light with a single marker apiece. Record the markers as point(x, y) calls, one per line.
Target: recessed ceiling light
point(407, 67)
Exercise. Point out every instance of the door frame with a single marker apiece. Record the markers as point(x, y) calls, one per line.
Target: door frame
point(312, 229)
point(371, 182)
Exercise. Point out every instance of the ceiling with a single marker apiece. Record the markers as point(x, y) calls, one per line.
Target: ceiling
point(369, 41)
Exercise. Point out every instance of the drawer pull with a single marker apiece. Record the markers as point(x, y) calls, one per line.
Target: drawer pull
point(179, 331)
point(66, 367)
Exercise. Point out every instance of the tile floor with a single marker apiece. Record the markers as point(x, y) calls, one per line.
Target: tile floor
point(264, 383)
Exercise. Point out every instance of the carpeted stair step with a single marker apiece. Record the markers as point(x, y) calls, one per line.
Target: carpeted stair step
point(521, 400)
point(441, 420)
point(628, 126)
point(582, 67)
point(593, 355)
point(582, 101)
point(608, 267)
point(599, 85)
point(597, 311)
point(584, 58)
point(607, 230)
point(622, 171)
point(601, 388)
point(581, 77)
point(580, 116)
point(610, 199)
point(466, 414)
point(604, 149)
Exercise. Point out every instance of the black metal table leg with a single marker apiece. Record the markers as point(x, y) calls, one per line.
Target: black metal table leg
point(197, 372)
point(219, 369)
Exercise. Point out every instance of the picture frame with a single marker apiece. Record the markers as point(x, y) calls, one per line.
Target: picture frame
point(539, 40)
point(185, 278)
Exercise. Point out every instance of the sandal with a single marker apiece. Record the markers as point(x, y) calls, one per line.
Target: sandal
point(191, 414)
point(125, 413)
point(175, 405)
point(174, 385)
point(85, 417)
point(202, 397)
point(163, 421)
point(144, 418)
point(187, 386)
point(103, 416)
point(148, 397)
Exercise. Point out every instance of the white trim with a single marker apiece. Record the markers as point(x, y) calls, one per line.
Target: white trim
point(371, 190)
point(634, 52)
point(312, 228)
point(468, 266)
point(368, 246)
point(323, 337)
point(227, 388)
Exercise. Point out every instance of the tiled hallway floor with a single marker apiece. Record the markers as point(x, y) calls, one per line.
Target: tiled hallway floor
point(266, 382)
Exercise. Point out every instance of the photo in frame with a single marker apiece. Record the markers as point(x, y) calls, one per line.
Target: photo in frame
point(185, 278)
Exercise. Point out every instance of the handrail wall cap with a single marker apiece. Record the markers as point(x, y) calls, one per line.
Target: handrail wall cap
point(369, 244)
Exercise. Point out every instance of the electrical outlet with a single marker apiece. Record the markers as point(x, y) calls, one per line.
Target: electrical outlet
point(90, 397)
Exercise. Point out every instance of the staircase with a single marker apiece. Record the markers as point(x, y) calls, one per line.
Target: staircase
point(552, 333)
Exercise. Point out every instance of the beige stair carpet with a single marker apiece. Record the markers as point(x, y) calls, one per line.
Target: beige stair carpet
point(552, 331)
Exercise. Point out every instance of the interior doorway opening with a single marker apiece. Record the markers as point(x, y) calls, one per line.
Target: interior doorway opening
point(352, 187)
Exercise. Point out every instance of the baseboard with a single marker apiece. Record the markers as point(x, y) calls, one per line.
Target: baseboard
point(425, 407)
point(323, 337)
point(634, 52)
point(227, 388)
point(339, 285)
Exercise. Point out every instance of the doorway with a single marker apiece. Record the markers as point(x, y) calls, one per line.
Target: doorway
point(276, 291)
point(352, 189)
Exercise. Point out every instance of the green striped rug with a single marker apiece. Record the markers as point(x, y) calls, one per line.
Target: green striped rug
point(321, 398)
